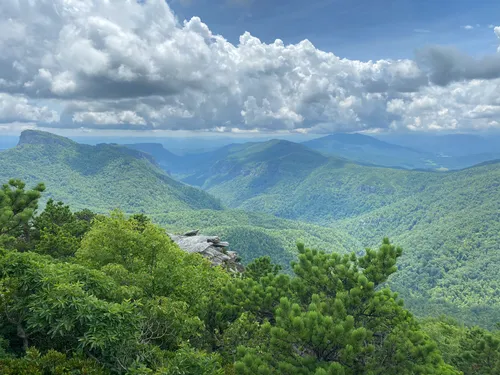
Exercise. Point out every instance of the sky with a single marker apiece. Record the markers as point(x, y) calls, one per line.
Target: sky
point(156, 67)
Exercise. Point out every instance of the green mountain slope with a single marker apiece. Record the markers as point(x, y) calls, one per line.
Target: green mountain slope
point(448, 222)
point(254, 234)
point(452, 239)
point(105, 177)
point(101, 177)
point(294, 182)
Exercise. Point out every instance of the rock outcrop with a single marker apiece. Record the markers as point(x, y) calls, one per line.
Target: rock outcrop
point(211, 247)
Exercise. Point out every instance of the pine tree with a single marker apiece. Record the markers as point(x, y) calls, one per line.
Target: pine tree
point(17, 207)
point(337, 318)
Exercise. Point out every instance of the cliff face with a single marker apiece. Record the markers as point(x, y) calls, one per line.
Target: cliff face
point(211, 247)
point(37, 137)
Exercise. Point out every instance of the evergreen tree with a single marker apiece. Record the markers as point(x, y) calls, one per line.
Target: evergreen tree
point(338, 319)
point(17, 207)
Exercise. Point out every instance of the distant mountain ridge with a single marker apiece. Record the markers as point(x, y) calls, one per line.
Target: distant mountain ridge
point(423, 152)
point(369, 150)
point(355, 139)
point(451, 145)
point(360, 148)
point(101, 177)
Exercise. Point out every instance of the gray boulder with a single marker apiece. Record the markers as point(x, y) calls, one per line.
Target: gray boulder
point(211, 247)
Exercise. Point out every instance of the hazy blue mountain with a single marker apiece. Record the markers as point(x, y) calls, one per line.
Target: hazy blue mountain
point(410, 151)
point(447, 145)
point(366, 149)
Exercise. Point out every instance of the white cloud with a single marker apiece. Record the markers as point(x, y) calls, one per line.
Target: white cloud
point(125, 64)
point(467, 27)
point(464, 105)
point(497, 33)
point(109, 118)
point(19, 109)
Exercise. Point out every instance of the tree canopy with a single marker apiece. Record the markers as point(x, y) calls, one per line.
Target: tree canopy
point(82, 293)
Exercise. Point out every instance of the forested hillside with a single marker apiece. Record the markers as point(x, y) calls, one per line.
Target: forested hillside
point(447, 221)
point(116, 296)
point(255, 234)
point(453, 238)
point(285, 192)
point(101, 177)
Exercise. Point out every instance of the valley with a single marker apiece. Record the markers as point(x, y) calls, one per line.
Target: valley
point(263, 197)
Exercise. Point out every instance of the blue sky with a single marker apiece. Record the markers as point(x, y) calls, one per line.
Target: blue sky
point(355, 29)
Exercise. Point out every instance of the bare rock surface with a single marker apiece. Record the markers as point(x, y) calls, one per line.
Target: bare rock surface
point(211, 247)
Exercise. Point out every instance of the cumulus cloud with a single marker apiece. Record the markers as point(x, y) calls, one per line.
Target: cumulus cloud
point(468, 27)
point(447, 64)
point(133, 65)
point(19, 109)
point(109, 118)
point(465, 105)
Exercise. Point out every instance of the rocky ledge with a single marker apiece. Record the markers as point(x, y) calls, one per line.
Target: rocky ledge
point(211, 247)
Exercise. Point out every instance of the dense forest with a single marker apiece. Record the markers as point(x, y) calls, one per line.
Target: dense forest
point(448, 222)
point(87, 293)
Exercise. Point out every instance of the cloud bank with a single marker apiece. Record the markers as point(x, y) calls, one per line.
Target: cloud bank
point(124, 64)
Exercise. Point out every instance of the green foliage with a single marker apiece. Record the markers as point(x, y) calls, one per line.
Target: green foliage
point(333, 318)
point(72, 306)
point(17, 207)
point(261, 267)
point(57, 231)
point(142, 255)
point(51, 363)
point(116, 295)
point(100, 178)
point(472, 350)
point(135, 298)
point(188, 361)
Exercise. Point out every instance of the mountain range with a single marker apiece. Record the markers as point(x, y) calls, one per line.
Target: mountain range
point(448, 221)
point(409, 152)
point(264, 196)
